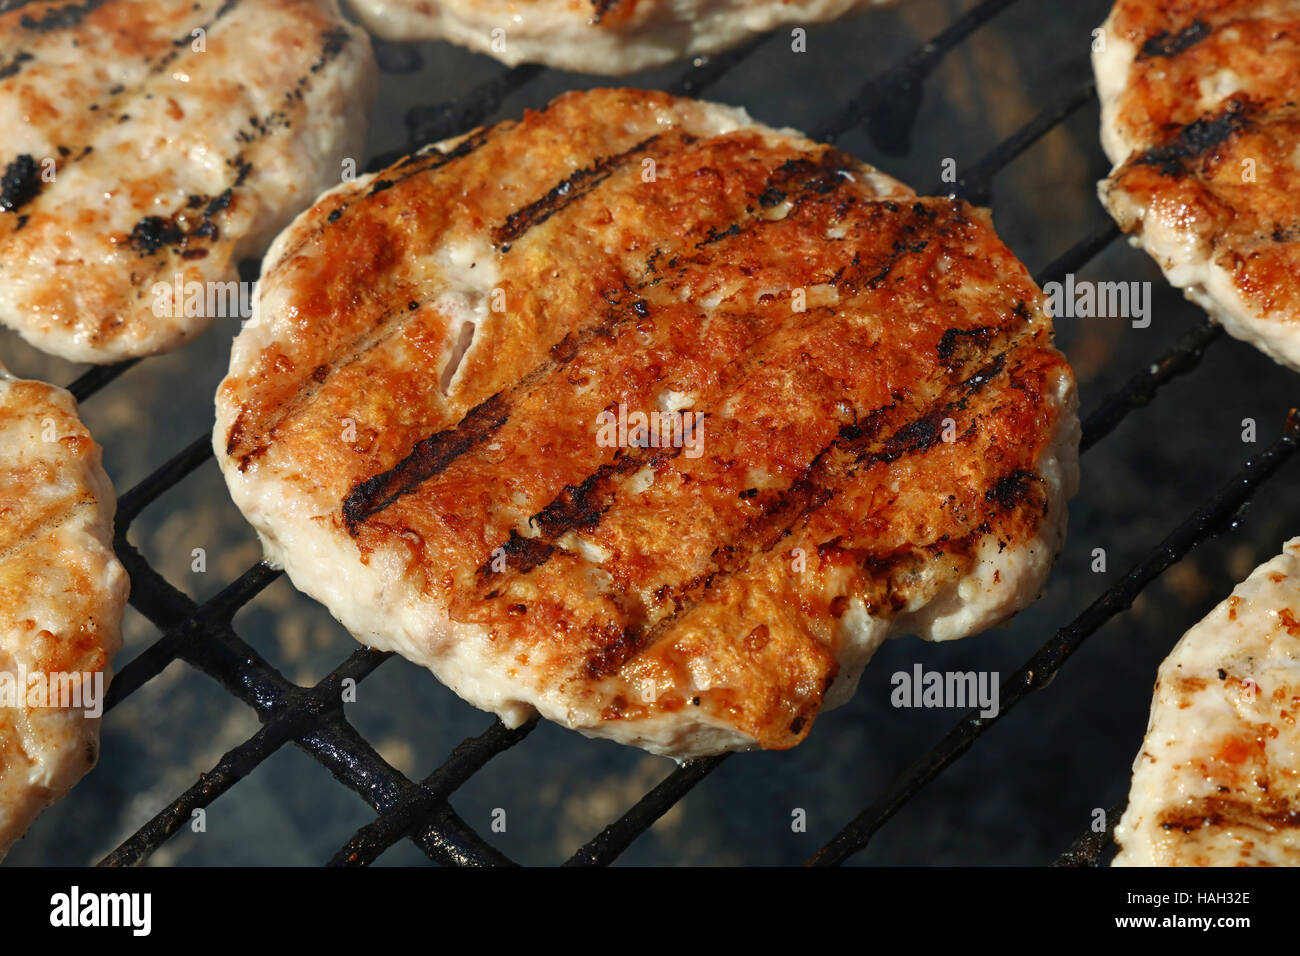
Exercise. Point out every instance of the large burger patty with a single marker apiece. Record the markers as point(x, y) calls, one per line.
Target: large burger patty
point(650, 418)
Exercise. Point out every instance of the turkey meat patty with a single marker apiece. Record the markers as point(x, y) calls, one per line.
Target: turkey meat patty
point(149, 145)
point(62, 593)
point(649, 418)
point(1199, 119)
point(595, 36)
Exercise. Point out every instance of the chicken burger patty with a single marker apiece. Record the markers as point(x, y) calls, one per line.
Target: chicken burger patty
point(149, 145)
point(650, 418)
point(594, 36)
point(62, 593)
point(1199, 117)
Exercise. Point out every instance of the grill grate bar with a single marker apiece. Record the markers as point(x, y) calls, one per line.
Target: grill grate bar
point(431, 795)
point(1088, 849)
point(889, 101)
point(618, 836)
point(713, 68)
point(197, 624)
point(147, 491)
point(1078, 255)
point(1140, 390)
point(1214, 517)
point(95, 378)
point(229, 770)
point(448, 840)
point(977, 185)
point(432, 124)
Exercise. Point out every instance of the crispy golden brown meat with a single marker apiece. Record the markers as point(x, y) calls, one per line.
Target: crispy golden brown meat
point(149, 145)
point(1215, 783)
point(1199, 116)
point(414, 422)
point(62, 593)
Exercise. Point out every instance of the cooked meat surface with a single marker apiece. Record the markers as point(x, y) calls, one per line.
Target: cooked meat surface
point(1217, 782)
point(1199, 117)
point(418, 422)
point(61, 598)
point(595, 36)
point(149, 145)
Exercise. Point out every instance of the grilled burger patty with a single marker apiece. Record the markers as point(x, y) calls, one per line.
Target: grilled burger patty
point(1199, 118)
point(149, 145)
point(594, 36)
point(423, 421)
point(62, 593)
point(1215, 783)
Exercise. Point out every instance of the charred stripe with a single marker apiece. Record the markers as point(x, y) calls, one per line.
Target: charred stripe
point(429, 456)
point(564, 193)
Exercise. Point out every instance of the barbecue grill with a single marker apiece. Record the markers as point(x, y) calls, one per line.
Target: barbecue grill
point(875, 113)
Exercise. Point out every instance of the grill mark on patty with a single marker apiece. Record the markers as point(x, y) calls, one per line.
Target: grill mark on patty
point(1166, 44)
point(470, 144)
point(361, 503)
point(20, 183)
point(108, 114)
point(601, 7)
point(816, 175)
point(1217, 812)
point(582, 506)
point(22, 537)
point(432, 455)
point(564, 193)
point(821, 482)
point(429, 456)
point(65, 17)
point(14, 66)
point(1196, 140)
point(9, 6)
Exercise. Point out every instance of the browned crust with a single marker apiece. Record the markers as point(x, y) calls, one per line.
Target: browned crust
point(840, 408)
point(1226, 177)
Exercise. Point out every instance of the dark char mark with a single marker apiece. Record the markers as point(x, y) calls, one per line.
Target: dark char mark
point(568, 190)
point(601, 7)
point(1168, 44)
point(154, 232)
point(955, 339)
point(61, 18)
point(435, 453)
point(862, 443)
point(20, 183)
point(522, 554)
point(1010, 490)
point(576, 507)
point(429, 457)
point(13, 66)
point(1196, 139)
point(1218, 811)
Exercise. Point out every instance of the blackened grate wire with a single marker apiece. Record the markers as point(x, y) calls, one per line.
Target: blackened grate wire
point(313, 717)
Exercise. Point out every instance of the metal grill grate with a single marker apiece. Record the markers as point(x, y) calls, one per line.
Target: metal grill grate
point(313, 718)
